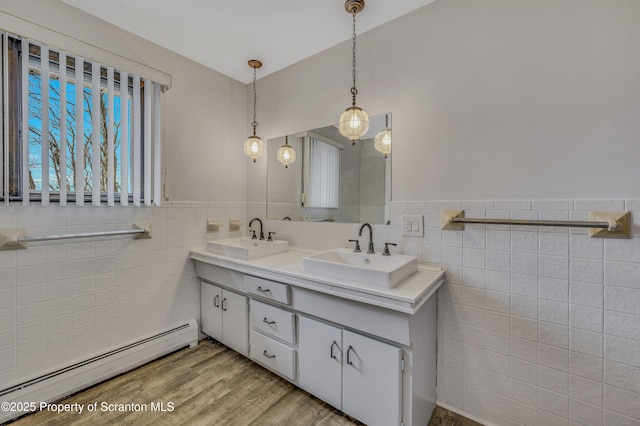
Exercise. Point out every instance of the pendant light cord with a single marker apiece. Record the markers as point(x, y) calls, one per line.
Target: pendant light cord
point(254, 124)
point(354, 91)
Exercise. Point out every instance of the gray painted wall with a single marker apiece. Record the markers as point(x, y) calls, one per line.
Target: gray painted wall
point(491, 99)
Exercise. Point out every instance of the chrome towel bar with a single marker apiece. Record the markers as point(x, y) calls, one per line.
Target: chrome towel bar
point(81, 235)
point(601, 224)
point(525, 222)
point(11, 239)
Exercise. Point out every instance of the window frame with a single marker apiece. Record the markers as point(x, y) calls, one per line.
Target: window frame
point(12, 79)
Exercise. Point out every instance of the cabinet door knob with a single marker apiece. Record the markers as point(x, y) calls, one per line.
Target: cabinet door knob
point(216, 301)
point(265, 353)
point(266, 321)
point(224, 304)
point(349, 353)
point(332, 345)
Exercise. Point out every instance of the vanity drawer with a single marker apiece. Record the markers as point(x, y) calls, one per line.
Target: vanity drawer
point(268, 289)
point(273, 354)
point(273, 321)
point(219, 275)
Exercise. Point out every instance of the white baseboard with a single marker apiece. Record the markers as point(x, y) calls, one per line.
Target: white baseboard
point(73, 378)
point(465, 414)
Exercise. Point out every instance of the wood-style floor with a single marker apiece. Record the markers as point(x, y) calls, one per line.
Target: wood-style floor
point(208, 385)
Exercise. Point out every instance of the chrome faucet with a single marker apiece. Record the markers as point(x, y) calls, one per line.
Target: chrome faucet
point(371, 250)
point(254, 233)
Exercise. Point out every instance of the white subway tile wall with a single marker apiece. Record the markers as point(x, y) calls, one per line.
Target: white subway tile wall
point(536, 325)
point(555, 336)
point(63, 301)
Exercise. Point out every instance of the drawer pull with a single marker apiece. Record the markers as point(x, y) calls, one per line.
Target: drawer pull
point(224, 304)
point(265, 353)
point(348, 353)
point(266, 321)
point(216, 301)
point(265, 291)
point(332, 345)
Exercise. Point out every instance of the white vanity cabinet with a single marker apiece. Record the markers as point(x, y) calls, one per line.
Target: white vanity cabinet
point(224, 316)
point(356, 374)
point(370, 352)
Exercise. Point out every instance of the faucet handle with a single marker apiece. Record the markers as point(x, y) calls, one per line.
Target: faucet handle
point(357, 247)
point(270, 236)
point(253, 236)
point(386, 248)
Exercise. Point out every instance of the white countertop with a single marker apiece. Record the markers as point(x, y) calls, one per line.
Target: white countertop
point(286, 267)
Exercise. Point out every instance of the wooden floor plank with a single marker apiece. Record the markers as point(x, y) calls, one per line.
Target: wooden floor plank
point(305, 408)
point(209, 385)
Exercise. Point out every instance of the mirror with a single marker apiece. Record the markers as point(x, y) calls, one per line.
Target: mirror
point(330, 180)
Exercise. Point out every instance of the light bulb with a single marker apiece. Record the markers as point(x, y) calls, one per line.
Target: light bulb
point(286, 155)
point(254, 147)
point(382, 142)
point(353, 123)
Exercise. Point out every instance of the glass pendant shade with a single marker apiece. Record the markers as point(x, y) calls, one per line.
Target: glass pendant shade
point(254, 147)
point(286, 155)
point(382, 142)
point(353, 123)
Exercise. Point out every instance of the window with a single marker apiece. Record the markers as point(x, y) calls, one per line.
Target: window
point(323, 183)
point(77, 130)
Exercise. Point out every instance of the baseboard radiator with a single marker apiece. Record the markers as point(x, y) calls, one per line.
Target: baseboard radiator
point(73, 378)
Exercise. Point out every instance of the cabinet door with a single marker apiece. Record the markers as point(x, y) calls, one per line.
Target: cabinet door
point(235, 321)
point(320, 350)
point(372, 380)
point(210, 310)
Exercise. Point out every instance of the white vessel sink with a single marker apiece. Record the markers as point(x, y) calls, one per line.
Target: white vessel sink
point(246, 248)
point(345, 265)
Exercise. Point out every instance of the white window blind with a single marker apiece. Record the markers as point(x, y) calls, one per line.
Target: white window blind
point(86, 128)
point(79, 138)
point(324, 170)
point(63, 128)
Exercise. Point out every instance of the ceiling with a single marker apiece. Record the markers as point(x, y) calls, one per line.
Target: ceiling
point(224, 34)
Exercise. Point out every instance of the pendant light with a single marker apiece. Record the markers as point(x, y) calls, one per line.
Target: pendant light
point(354, 121)
point(254, 146)
point(286, 154)
point(382, 142)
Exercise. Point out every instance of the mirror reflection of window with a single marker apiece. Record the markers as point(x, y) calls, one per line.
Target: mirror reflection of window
point(363, 179)
point(322, 188)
